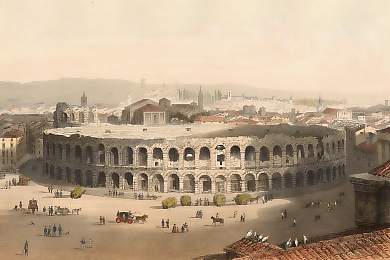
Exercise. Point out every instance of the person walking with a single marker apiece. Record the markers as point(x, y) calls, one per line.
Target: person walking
point(59, 230)
point(167, 223)
point(26, 246)
point(162, 223)
point(104, 220)
point(54, 230)
point(294, 223)
point(20, 204)
point(45, 232)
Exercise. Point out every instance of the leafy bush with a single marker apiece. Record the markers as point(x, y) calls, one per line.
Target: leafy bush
point(77, 192)
point(242, 199)
point(219, 200)
point(185, 200)
point(170, 202)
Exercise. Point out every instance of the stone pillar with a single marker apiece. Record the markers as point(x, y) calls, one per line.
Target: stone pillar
point(135, 182)
point(197, 190)
point(108, 181)
point(120, 157)
point(242, 159)
point(213, 184)
point(181, 186)
point(166, 185)
point(270, 183)
point(228, 186)
point(121, 182)
point(243, 185)
point(108, 158)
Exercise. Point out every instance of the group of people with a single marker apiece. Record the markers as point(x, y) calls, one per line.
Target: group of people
point(58, 194)
point(295, 242)
point(205, 201)
point(165, 223)
point(20, 206)
point(102, 220)
point(8, 184)
point(50, 210)
point(51, 231)
point(139, 196)
point(113, 193)
point(253, 236)
point(242, 217)
point(83, 243)
point(50, 188)
point(184, 228)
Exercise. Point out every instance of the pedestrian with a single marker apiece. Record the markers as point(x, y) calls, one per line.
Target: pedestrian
point(26, 248)
point(243, 217)
point(296, 242)
point(44, 209)
point(167, 223)
point(49, 231)
point(82, 243)
point(104, 220)
point(217, 215)
point(174, 228)
point(20, 204)
point(282, 215)
point(54, 230)
point(100, 220)
point(294, 223)
point(45, 232)
point(285, 213)
point(182, 229)
point(90, 243)
point(162, 223)
point(59, 230)
point(305, 239)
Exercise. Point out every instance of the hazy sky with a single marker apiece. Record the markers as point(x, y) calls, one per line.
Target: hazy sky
point(326, 44)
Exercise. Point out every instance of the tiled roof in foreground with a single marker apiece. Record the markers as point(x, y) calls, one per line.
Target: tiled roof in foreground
point(372, 245)
point(382, 170)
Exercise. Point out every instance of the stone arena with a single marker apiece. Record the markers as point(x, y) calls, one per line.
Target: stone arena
point(196, 158)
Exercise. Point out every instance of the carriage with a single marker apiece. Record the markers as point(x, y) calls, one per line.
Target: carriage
point(129, 217)
point(32, 205)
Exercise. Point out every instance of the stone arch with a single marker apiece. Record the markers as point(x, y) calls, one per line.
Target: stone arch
point(300, 152)
point(264, 154)
point(78, 178)
point(115, 180)
point(129, 155)
point(235, 183)
point(250, 182)
point(89, 155)
point(173, 155)
point(143, 182)
point(299, 179)
point(220, 155)
point(310, 150)
point(114, 156)
point(288, 180)
point(88, 179)
point(142, 156)
point(250, 153)
point(129, 177)
point(59, 173)
point(189, 154)
point(320, 150)
point(68, 173)
point(276, 181)
point(72, 117)
point(157, 157)
point(174, 182)
point(77, 153)
point(189, 183)
point(328, 175)
point(101, 179)
point(289, 151)
point(220, 184)
point(204, 153)
point(158, 183)
point(310, 178)
point(263, 181)
point(235, 152)
point(277, 151)
point(205, 183)
point(102, 154)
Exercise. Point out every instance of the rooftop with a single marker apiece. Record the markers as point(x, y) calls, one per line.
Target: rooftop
point(12, 134)
point(382, 170)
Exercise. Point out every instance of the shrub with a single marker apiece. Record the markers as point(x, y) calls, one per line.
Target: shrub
point(219, 200)
point(77, 192)
point(170, 202)
point(185, 200)
point(242, 199)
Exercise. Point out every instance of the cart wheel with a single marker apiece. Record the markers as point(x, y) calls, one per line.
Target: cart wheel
point(130, 221)
point(118, 220)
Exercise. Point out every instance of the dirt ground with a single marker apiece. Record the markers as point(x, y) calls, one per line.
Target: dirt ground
point(149, 240)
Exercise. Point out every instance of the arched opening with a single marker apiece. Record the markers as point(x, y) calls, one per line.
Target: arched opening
point(77, 153)
point(89, 155)
point(320, 150)
point(250, 153)
point(157, 157)
point(204, 153)
point(235, 183)
point(143, 182)
point(102, 154)
point(264, 154)
point(67, 152)
point(115, 180)
point(101, 179)
point(320, 176)
point(189, 154)
point(220, 152)
point(289, 150)
point(129, 180)
point(59, 173)
point(114, 156)
point(276, 181)
point(205, 182)
point(81, 117)
point(250, 182)
point(310, 151)
point(263, 182)
point(72, 117)
point(235, 153)
point(173, 155)
point(88, 179)
point(277, 154)
point(328, 175)
point(142, 156)
point(310, 178)
point(300, 152)
point(189, 183)
point(129, 156)
point(174, 184)
point(288, 180)
point(91, 117)
point(220, 184)
point(334, 173)
point(299, 180)
point(52, 171)
point(68, 175)
point(77, 177)
point(342, 145)
point(158, 183)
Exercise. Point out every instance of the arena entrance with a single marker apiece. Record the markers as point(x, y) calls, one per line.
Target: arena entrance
point(263, 182)
point(88, 179)
point(158, 183)
point(77, 177)
point(115, 180)
point(205, 181)
point(174, 184)
point(129, 179)
point(250, 182)
point(189, 183)
point(235, 183)
point(143, 182)
point(101, 179)
point(220, 184)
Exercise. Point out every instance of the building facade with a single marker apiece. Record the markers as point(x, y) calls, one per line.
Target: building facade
point(196, 158)
point(13, 148)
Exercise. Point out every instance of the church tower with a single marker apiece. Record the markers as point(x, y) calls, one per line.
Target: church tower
point(84, 100)
point(200, 98)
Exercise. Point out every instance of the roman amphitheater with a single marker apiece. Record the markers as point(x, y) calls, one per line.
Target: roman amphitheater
point(197, 158)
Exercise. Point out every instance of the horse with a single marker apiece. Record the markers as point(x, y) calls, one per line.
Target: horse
point(141, 219)
point(217, 220)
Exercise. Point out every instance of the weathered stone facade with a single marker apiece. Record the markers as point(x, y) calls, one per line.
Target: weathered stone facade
point(196, 164)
